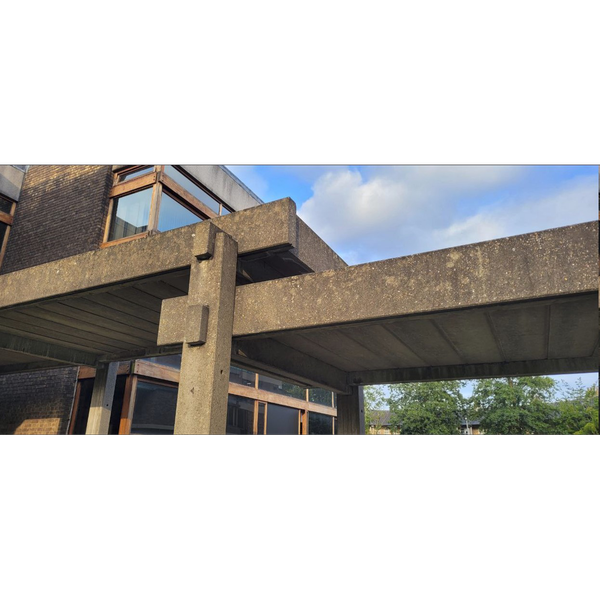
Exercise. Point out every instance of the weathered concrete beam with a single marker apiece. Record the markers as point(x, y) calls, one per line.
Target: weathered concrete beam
point(549, 263)
point(264, 227)
point(136, 259)
point(268, 226)
point(204, 375)
point(39, 349)
point(181, 323)
point(480, 371)
point(282, 361)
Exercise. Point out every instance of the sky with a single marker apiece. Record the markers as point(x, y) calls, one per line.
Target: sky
point(369, 213)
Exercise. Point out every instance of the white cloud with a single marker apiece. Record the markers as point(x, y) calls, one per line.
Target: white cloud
point(392, 211)
point(573, 202)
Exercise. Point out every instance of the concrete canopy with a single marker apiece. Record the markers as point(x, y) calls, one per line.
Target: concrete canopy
point(515, 306)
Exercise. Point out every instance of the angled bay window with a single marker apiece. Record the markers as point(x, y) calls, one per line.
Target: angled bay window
point(151, 199)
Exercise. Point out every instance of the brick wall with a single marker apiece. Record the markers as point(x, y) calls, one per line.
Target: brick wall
point(61, 212)
point(38, 402)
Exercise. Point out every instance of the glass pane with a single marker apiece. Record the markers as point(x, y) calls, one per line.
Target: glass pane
point(130, 214)
point(225, 211)
point(192, 188)
point(241, 376)
point(168, 361)
point(281, 387)
point(133, 174)
point(261, 419)
point(319, 396)
point(154, 411)
point(173, 215)
point(319, 424)
point(117, 406)
point(5, 206)
point(240, 416)
point(282, 420)
point(3, 230)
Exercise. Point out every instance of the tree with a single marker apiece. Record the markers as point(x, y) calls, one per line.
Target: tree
point(431, 408)
point(516, 406)
point(579, 409)
point(375, 401)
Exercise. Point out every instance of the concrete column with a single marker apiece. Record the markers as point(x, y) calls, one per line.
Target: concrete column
point(204, 376)
point(102, 398)
point(351, 412)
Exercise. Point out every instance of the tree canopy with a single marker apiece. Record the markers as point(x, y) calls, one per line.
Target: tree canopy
point(507, 406)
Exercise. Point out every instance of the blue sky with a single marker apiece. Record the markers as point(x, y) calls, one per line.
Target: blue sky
point(368, 213)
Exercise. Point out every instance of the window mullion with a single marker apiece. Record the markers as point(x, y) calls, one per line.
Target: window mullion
point(155, 207)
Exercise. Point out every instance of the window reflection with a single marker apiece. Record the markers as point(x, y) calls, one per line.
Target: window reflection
point(173, 215)
point(282, 420)
point(130, 214)
point(170, 360)
point(5, 206)
point(241, 376)
point(319, 424)
point(319, 396)
point(154, 411)
point(134, 174)
point(240, 416)
point(188, 185)
point(281, 387)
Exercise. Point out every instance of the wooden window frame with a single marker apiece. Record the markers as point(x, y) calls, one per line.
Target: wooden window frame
point(7, 219)
point(160, 183)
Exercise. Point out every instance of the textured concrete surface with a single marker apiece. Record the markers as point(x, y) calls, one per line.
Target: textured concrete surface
point(549, 263)
point(11, 180)
point(102, 399)
point(351, 413)
point(204, 377)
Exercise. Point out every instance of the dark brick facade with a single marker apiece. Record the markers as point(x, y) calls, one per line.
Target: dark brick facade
point(62, 211)
point(37, 403)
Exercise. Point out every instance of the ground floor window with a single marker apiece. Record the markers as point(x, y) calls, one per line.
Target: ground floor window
point(145, 402)
point(154, 409)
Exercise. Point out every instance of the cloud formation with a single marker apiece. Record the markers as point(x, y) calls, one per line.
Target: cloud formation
point(382, 212)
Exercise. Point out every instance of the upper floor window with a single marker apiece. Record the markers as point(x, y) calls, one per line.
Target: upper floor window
point(157, 198)
point(7, 211)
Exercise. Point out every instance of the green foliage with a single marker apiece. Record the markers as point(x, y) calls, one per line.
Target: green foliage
point(509, 406)
point(516, 406)
point(432, 408)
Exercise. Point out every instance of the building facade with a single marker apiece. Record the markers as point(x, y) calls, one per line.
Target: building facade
point(147, 298)
point(51, 212)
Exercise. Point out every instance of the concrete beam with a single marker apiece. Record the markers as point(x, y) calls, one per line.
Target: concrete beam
point(268, 226)
point(204, 376)
point(549, 263)
point(39, 349)
point(479, 371)
point(279, 360)
point(136, 259)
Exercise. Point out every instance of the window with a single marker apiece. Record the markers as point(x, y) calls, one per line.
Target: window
point(7, 210)
point(282, 420)
point(319, 424)
point(130, 214)
point(157, 198)
point(154, 409)
point(240, 415)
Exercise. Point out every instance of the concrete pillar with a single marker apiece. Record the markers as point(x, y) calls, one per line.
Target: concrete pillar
point(102, 398)
point(351, 412)
point(204, 376)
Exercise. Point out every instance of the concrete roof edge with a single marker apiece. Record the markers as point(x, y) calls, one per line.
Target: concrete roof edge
point(241, 184)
